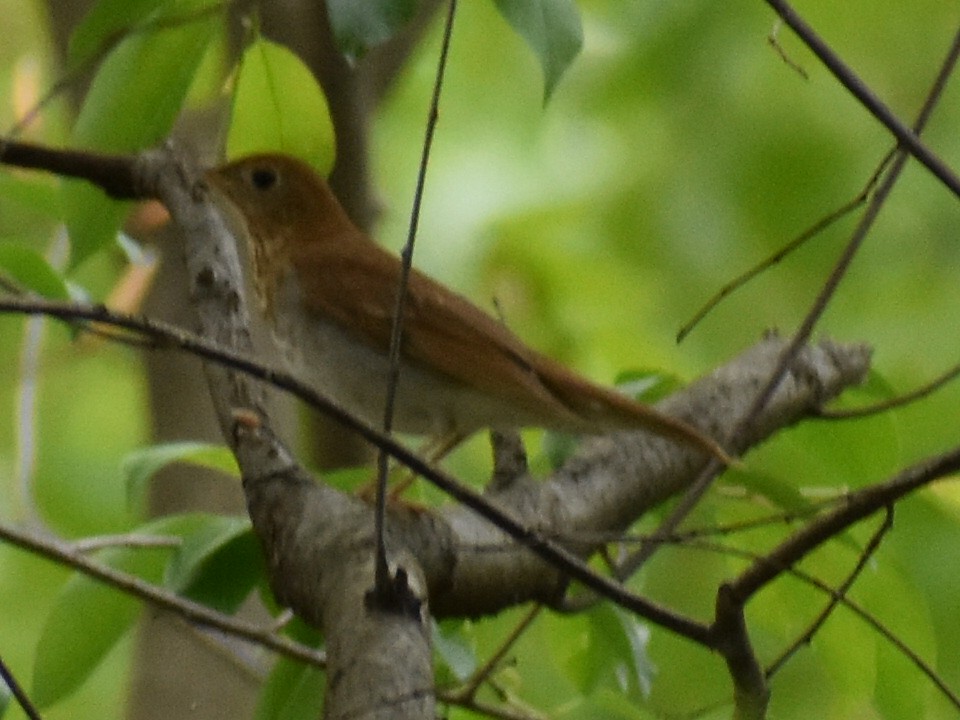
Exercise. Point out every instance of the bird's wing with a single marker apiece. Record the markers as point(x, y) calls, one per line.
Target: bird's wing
point(442, 330)
point(446, 332)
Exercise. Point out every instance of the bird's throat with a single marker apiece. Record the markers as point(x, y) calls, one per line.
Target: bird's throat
point(270, 262)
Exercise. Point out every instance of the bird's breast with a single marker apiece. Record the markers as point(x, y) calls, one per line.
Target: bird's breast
point(348, 370)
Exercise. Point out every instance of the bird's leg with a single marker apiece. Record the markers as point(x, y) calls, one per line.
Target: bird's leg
point(509, 459)
point(433, 451)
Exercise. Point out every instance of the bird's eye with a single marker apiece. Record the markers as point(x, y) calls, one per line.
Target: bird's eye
point(263, 178)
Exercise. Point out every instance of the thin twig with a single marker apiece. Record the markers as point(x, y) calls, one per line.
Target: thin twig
point(469, 690)
point(856, 507)
point(18, 692)
point(907, 138)
point(782, 253)
point(899, 401)
point(116, 175)
point(489, 710)
point(27, 412)
point(884, 187)
point(65, 554)
point(741, 431)
point(846, 602)
point(837, 596)
point(773, 39)
point(129, 540)
point(922, 665)
point(383, 581)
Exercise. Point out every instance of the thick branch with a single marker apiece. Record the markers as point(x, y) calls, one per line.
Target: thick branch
point(495, 551)
point(612, 481)
point(116, 175)
point(317, 541)
point(587, 498)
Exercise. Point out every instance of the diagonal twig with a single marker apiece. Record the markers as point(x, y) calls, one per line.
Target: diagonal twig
point(741, 432)
point(907, 138)
point(193, 612)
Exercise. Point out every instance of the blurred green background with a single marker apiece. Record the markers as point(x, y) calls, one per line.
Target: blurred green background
point(678, 150)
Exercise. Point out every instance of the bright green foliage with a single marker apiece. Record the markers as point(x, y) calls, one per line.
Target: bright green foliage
point(679, 150)
point(456, 655)
point(214, 562)
point(25, 202)
point(293, 691)
point(615, 656)
point(135, 96)
point(647, 386)
point(218, 565)
point(88, 619)
point(31, 270)
point(107, 23)
point(278, 106)
point(552, 29)
point(141, 465)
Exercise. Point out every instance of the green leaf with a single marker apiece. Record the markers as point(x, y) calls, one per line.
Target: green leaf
point(30, 269)
point(552, 29)
point(135, 96)
point(27, 195)
point(279, 107)
point(455, 649)
point(359, 26)
point(139, 88)
point(141, 465)
point(89, 618)
point(615, 655)
point(92, 218)
point(873, 390)
point(647, 386)
point(783, 494)
point(293, 691)
point(611, 704)
point(348, 479)
point(218, 565)
point(104, 25)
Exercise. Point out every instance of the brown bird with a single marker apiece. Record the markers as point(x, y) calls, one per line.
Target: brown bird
point(329, 292)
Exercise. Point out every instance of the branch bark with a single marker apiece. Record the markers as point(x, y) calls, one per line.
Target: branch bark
point(318, 541)
point(524, 540)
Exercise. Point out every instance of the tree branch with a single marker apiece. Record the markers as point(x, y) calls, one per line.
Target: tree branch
point(856, 506)
point(116, 175)
point(495, 551)
point(605, 487)
point(68, 555)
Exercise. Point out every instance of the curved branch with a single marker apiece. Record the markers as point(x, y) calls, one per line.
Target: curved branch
point(608, 484)
point(493, 552)
point(67, 555)
point(857, 506)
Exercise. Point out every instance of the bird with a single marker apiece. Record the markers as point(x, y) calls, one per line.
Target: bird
point(329, 291)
